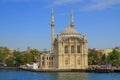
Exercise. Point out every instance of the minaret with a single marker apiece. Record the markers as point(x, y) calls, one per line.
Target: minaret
point(72, 20)
point(85, 44)
point(52, 30)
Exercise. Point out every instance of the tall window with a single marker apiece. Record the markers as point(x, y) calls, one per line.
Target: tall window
point(66, 49)
point(78, 49)
point(72, 49)
point(42, 58)
point(47, 58)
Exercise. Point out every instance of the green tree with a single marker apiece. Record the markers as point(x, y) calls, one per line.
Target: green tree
point(114, 57)
point(34, 54)
point(19, 58)
point(10, 61)
point(28, 58)
point(3, 53)
point(92, 58)
point(103, 59)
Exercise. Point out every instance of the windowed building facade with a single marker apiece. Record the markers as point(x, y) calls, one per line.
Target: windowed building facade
point(69, 49)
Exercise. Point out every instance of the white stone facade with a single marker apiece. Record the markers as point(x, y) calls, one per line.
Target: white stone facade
point(69, 50)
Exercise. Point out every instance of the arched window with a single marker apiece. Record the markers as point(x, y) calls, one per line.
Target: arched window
point(47, 58)
point(66, 49)
point(78, 49)
point(72, 49)
point(42, 58)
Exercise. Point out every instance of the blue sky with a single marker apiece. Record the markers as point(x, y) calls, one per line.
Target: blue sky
point(26, 23)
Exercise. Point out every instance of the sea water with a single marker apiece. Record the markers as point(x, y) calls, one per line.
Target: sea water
point(26, 75)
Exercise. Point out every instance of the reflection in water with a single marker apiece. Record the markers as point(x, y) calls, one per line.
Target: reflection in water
point(70, 76)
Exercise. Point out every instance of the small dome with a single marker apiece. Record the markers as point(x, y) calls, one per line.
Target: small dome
point(69, 30)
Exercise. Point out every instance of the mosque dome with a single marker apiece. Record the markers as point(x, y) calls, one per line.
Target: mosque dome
point(69, 30)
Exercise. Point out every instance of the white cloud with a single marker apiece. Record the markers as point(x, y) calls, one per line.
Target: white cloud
point(60, 2)
point(100, 4)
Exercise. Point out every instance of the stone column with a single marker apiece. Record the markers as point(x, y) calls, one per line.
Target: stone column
point(75, 54)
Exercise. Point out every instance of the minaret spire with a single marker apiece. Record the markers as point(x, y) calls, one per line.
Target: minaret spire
point(52, 30)
point(72, 20)
point(52, 16)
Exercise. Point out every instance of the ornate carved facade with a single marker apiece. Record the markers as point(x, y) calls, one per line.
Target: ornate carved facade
point(69, 49)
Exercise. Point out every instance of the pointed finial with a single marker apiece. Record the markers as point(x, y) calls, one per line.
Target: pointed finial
point(85, 37)
point(72, 19)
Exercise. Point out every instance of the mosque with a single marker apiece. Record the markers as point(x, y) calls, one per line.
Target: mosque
point(69, 50)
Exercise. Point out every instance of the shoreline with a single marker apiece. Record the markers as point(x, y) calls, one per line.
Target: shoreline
point(74, 70)
point(54, 70)
point(63, 70)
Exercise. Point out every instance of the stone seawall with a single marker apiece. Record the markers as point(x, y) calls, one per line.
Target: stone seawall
point(73, 70)
point(55, 70)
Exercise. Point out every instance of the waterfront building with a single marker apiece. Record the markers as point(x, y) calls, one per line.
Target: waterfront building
point(10, 52)
point(117, 48)
point(107, 51)
point(69, 50)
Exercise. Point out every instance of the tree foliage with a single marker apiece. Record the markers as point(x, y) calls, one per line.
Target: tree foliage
point(93, 58)
point(114, 57)
point(34, 54)
point(10, 61)
point(28, 58)
point(103, 59)
point(21, 58)
point(3, 53)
